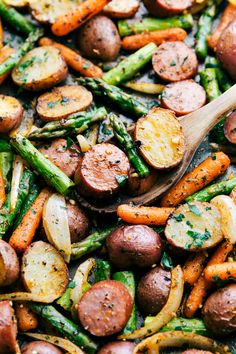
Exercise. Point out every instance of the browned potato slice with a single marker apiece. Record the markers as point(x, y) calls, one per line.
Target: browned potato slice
point(122, 8)
point(162, 142)
point(9, 264)
point(40, 68)
point(194, 226)
point(62, 102)
point(44, 271)
point(11, 113)
point(16, 3)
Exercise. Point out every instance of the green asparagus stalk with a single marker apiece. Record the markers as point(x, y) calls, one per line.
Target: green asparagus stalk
point(65, 327)
point(44, 167)
point(210, 83)
point(103, 270)
point(128, 27)
point(13, 60)
point(182, 324)
point(204, 28)
point(15, 19)
point(206, 194)
point(130, 66)
point(91, 243)
point(4, 146)
point(127, 278)
point(76, 124)
point(65, 300)
point(6, 160)
point(7, 217)
point(127, 103)
point(126, 141)
point(224, 80)
point(217, 133)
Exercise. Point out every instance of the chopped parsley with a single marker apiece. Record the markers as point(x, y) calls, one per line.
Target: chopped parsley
point(121, 180)
point(198, 238)
point(194, 209)
point(179, 217)
point(166, 261)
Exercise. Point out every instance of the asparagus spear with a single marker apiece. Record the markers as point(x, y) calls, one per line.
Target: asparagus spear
point(127, 103)
point(127, 278)
point(75, 124)
point(103, 270)
point(210, 83)
point(4, 146)
point(65, 327)
point(128, 27)
point(130, 66)
point(204, 28)
point(15, 19)
point(217, 133)
point(222, 77)
point(206, 194)
point(182, 324)
point(126, 141)
point(65, 300)
point(44, 167)
point(6, 160)
point(13, 60)
point(91, 243)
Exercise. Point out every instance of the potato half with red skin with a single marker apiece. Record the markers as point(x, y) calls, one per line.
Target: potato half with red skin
point(100, 39)
point(121, 8)
point(117, 347)
point(163, 8)
point(219, 311)
point(78, 222)
point(11, 113)
point(8, 328)
point(9, 264)
point(153, 290)
point(40, 347)
point(230, 128)
point(136, 246)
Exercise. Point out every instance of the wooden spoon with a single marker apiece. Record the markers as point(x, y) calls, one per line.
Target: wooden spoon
point(196, 126)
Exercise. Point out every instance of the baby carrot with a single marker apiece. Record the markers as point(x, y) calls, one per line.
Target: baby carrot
point(223, 271)
point(26, 318)
point(5, 52)
point(199, 177)
point(74, 59)
point(143, 215)
point(194, 267)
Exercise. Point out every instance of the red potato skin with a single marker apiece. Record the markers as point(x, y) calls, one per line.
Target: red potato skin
point(117, 347)
point(11, 263)
point(229, 128)
point(9, 122)
point(105, 308)
point(175, 61)
point(165, 8)
point(226, 49)
point(8, 328)
point(40, 347)
point(78, 222)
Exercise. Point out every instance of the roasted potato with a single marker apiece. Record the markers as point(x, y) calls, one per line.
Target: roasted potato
point(11, 113)
point(99, 39)
point(121, 8)
point(78, 222)
point(41, 68)
point(9, 264)
point(40, 347)
point(16, 3)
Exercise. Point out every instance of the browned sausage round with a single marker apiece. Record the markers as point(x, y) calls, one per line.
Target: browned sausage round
point(134, 246)
point(175, 61)
point(40, 347)
point(167, 7)
point(67, 159)
point(230, 128)
point(196, 351)
point(11, 113)
point(118, 347)
point(8, 328)
point(105, 308)
point(78, 222)
point(9, 264)
point(183, 97)
point(100, 168)
point(153, 290)
point(137, 186)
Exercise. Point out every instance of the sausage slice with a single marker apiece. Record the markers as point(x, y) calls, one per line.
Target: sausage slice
point(183, 97)
point(78, 222)
point(8, 328)
point(167, 7)
point(230, 128)
point(40, 347)
point(117, 347)
point(105, 308)
point(66, 158)
point(175, 61)
point(101, 167)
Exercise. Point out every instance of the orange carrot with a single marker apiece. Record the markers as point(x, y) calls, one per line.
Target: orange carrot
point(5, 52)
point(200, 289)
point(74, 19)
point(74, 59)
point(2, 191)
point(143, 215)
point(24, 233)
point(223, 271)
point(229, 15)
point(140, 40)
point(197, 179)
point(26, 319)
point(1, 34)
point(194, 267)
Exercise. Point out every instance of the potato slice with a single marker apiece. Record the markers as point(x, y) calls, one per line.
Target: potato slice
point(62, 102)
point(11, 113)
point(40, 68)
point(16, 3)
point(161, 139)
point(194, 226)
point(122, 8)
point(44, 271)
